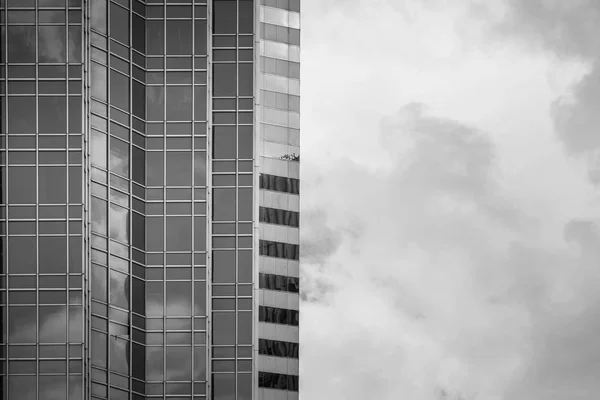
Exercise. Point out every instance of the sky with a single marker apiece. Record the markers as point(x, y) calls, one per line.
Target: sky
point(450, 204)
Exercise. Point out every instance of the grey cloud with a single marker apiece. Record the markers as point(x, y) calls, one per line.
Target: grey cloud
point(447, 285)
point(568, 30)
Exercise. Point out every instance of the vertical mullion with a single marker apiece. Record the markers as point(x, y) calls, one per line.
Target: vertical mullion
point(164, 198)
point(209, 195)
point(37, 202)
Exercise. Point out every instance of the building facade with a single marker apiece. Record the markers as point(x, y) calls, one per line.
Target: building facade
point(149, 210)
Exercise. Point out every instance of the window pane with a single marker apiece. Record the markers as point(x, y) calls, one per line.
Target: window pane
point(52, 44)
point(179, 233)
point(155, 98)
point(223, 328)
point(154, 234)
point(53, 114)
point(21, 185)
point(138, 33)
point(224, 204)
point(22, 114)
point(119, 23)
point(22, 324)
point(179, 363)
point(53, 254)
point(200, 38)
point(224, 266)
point(156, 36)
point(52, 185)
point(119, 223)
point(179, 299)
point(179, 168)
point(246, 72)
point(53, 324)
point(74, 44)
point(224, 146)
point(225, 16)
point(225, 79)
point(179, 103)
point(21, 44)
point(119, 157)
point(246, 17)
point(22, 254)
point(179, 37)
point(119, 90)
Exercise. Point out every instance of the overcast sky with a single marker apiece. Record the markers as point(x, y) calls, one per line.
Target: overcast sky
point(450, 162)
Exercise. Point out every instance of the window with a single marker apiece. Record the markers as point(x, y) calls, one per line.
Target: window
point(279, 217)
point(278, 348)
point(279, 183)
point(275, 315)
point(279, 282)
point(278, 381)
point(279, 250)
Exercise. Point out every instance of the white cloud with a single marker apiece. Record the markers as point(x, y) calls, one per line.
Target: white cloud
point(450, 248)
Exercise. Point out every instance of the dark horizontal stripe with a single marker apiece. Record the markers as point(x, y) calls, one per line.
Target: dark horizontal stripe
point(290, 5)
point(279, 250)
point(279, 217)
point(279, 282)
point(278, 348)
point(278, 381)
point(280, 183)
point(275, 315)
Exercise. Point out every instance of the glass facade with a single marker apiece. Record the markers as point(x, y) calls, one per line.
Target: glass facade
point(149, 199)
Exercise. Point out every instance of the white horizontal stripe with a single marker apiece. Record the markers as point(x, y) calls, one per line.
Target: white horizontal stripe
point(273, 166)
point(277, 16)
point(278, 365)
point(279, 233)
point(279, 299)
point(279, 266)
point(286, 333)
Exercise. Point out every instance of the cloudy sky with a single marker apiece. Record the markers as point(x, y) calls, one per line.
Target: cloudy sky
point(451, 157)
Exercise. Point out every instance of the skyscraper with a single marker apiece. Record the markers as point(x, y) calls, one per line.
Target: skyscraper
point(149, 208)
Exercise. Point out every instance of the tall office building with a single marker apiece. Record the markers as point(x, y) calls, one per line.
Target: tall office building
point(149, 208)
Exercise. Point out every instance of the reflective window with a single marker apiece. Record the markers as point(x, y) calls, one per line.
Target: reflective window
point(225, 16)
point(279, 250)
point(119, 90)
point(155, 103)
point(179, 233)
point(179, 168)
point(224, 79)
point(119, 23)
point(52, 185)
point(224, 204)
point(245, 207)
point(223, 384)
point(179, 37)
point(154, 363)
point(278, 348)
point(22, 324)
point(52, 254)
point(279, 282)
point(119, 157)
point(223, 266)
point(224, 145)
point(119, 223)
point(200, 103)
point(244, 328)
point(179, 363)
point(155, 166)
point(278, 381)
point(22, 185)
point(53, 324)
point(22, 113)
point(52, 44)
point(179, 103)
point(279, 183)
point(223, 328)
point(279, 217)
point(246, 72)
point(278, 315)
point(22, 42)
point(154, 234)
point(200, 168)
point(200, 40)
point(246, 17)
point(155, 34)
point(154, 299)
point(138, 30)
